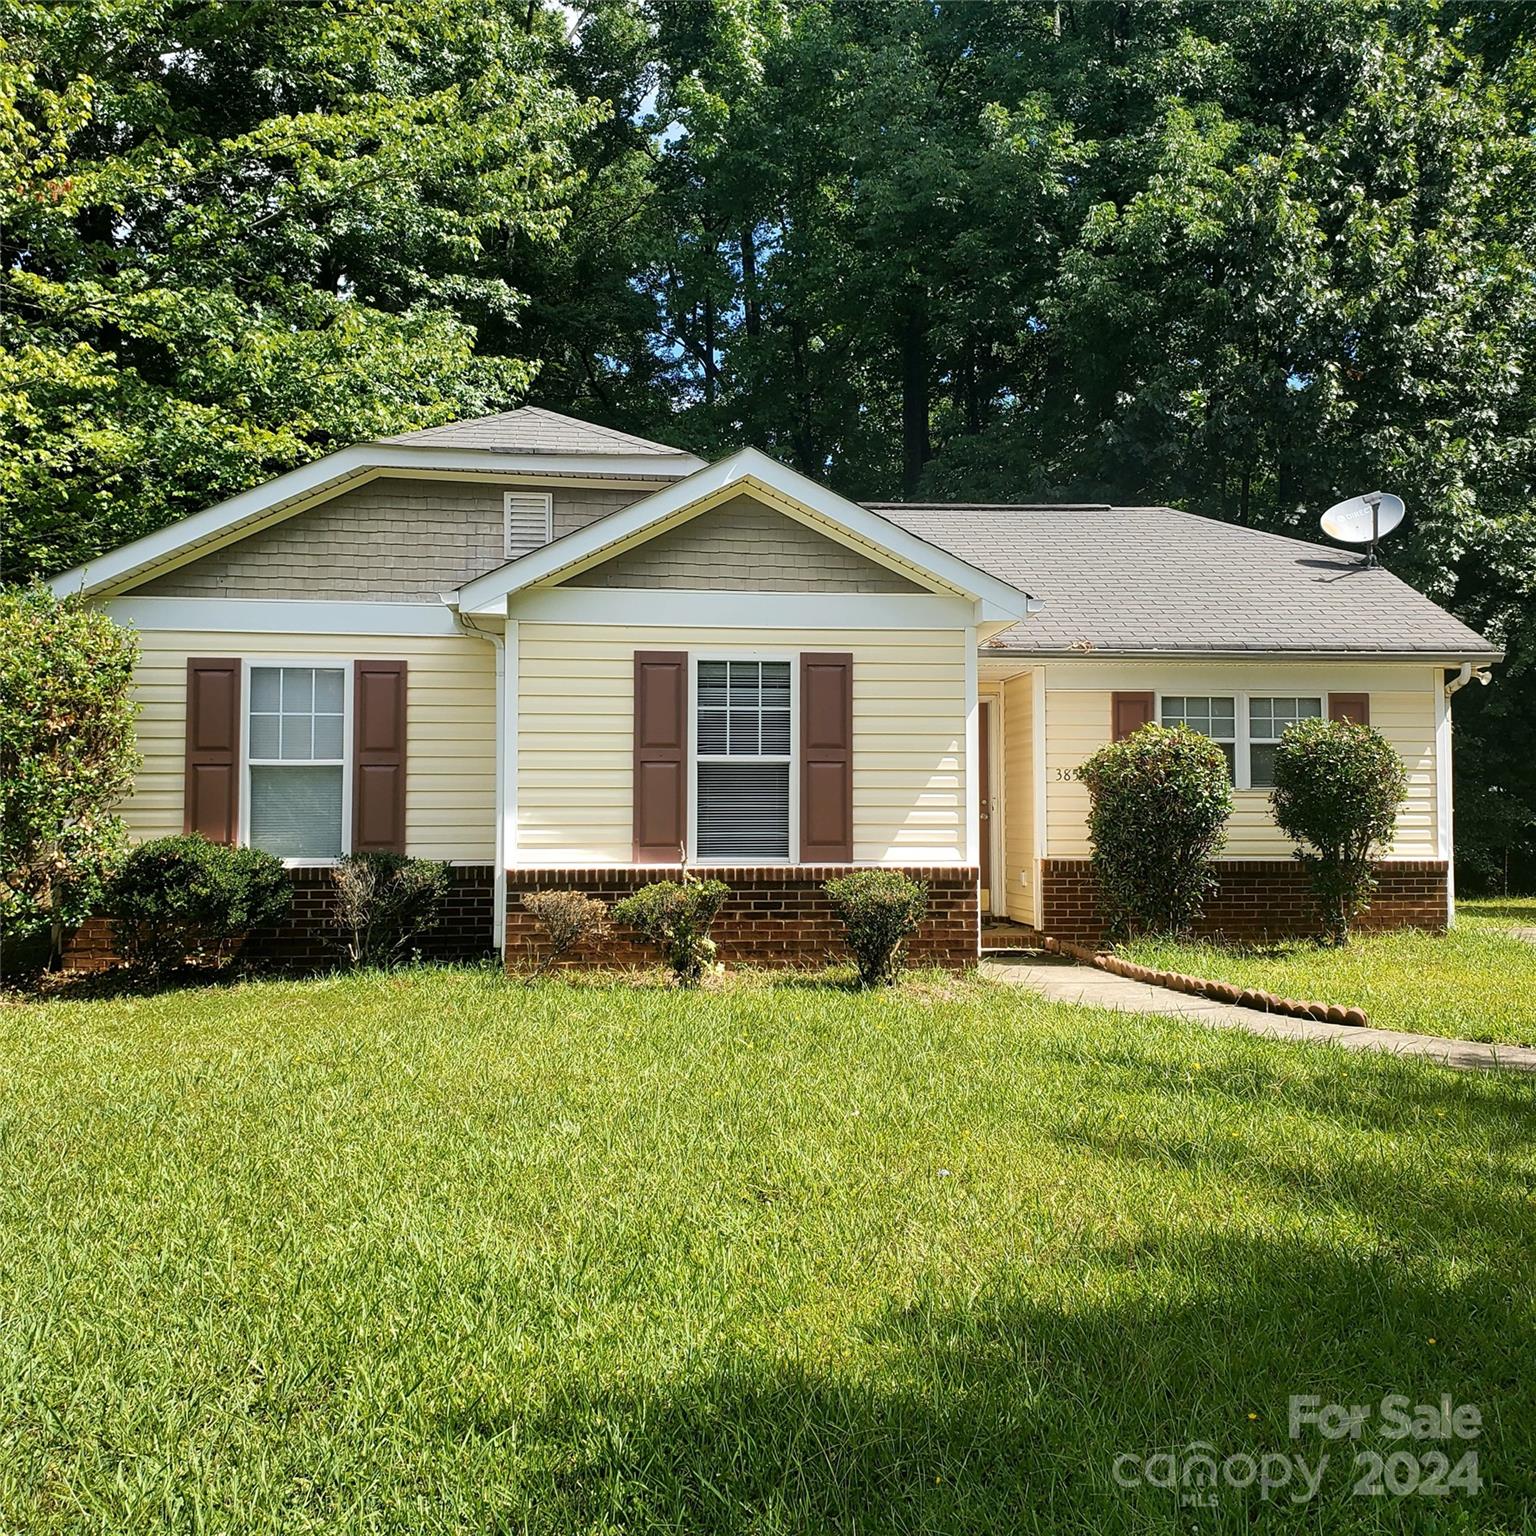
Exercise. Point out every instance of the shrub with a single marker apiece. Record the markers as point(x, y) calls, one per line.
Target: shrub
point(67, 755)
point(881, 909)
point(566, 919)
point(1159, 802)
point(186, 901)
point(386, 904)
point(1338, 787)
point(675, 916)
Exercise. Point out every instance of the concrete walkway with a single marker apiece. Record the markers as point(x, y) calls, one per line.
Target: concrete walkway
point(1065, 982)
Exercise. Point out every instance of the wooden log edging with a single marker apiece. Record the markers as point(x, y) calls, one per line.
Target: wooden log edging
point(1216, 991)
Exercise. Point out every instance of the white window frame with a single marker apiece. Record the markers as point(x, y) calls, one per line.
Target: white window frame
point(511, 498)
point(345, 666)
point(1239, 729)
point(1242, 768)
point(694, 658)
point(1248, 737)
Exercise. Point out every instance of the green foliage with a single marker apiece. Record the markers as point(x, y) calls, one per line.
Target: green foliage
point(181, 901)
point(67, 756)
point(387, 903)
point(676, 916)
point(881, 909)
point(241, 236)
point(1158, 807)
point(567, 919)
point(1338, 787)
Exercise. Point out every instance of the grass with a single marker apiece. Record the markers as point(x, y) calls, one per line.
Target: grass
point(1476, 982)
point(434, 1252)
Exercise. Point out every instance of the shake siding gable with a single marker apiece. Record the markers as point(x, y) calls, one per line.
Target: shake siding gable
point(392, 540)
point(744, 546)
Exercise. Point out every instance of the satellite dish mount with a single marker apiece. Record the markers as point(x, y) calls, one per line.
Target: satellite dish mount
point(1364, 520)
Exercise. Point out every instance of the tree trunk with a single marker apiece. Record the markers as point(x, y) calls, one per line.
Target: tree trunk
point(754, 310)
point(914, 392)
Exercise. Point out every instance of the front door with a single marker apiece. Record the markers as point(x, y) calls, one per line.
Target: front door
point(984, 753)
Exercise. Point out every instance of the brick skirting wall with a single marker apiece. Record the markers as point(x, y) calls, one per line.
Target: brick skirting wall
point(307, 939)
point(1256, 899)
point(774, 916)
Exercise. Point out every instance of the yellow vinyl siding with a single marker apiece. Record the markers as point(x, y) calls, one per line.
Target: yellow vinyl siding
point(450, 791)
point(1402, 709)
point(1019, 795)
point(576, 723)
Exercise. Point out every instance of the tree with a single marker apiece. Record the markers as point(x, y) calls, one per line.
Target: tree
point(240, 236)
point(1158, 807)
point(67, 756)
point(1337, 790)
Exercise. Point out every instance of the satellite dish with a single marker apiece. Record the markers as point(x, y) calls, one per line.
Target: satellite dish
point(1364, 520)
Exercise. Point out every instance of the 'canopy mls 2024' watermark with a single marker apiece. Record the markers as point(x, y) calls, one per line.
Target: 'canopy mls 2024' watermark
point(1439, 1464)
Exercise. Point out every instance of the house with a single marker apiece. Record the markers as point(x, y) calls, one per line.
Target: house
point(559, 655)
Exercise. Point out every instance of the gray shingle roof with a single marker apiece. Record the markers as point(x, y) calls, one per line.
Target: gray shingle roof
point(533, 430)
point(1133, 580)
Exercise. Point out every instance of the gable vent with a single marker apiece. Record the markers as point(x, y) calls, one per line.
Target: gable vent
point(529, 521)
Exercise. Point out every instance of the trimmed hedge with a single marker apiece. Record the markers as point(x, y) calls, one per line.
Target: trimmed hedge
point(881, 909)
point(1159, 802)
point(181, 901)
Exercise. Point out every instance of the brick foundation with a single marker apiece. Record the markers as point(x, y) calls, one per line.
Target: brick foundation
point(775, 916)
point(1256, 900)
point(307, 939)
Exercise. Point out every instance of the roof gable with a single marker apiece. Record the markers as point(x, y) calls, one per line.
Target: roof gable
point(793, 495)
point(532, 429)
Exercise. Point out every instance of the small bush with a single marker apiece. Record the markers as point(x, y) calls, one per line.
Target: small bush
point(881, 909)
point(386, 904)
point(676, 916)
point(181, 901)
point(1338, 787)
point(1159, 802)
point(567, 918)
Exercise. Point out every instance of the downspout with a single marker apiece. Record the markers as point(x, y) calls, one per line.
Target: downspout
point(1468, 671)
point(499, 883)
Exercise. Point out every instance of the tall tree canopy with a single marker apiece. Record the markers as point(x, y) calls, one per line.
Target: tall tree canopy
point(1240, 259)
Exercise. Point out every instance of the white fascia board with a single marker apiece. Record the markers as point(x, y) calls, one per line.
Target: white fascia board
point(206, 531)
point(267, 616)
point(638, 608)
point(747, 470)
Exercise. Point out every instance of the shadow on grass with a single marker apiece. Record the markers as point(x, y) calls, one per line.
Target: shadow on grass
point(1501, 911)
point(1007, 1412)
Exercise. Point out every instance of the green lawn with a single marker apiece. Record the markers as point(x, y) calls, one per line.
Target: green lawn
point(1476, 982)
point(441, 1253)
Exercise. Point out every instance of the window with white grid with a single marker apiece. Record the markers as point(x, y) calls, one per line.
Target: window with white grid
point(1215, 717)
point(742, 760)
point(296, 750)
point(1268, 720)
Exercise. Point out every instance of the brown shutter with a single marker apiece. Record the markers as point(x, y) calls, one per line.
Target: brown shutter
point(826, 758)
point(212, 793)
point(1130, 711)
point(1350, 706)
point(661, 756)
point(378, 756)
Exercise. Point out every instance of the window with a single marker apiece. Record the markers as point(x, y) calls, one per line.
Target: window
point(742, 760)
point(1267, 722)
point(1213, 717)
point(297, 753)
point(529, 521)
